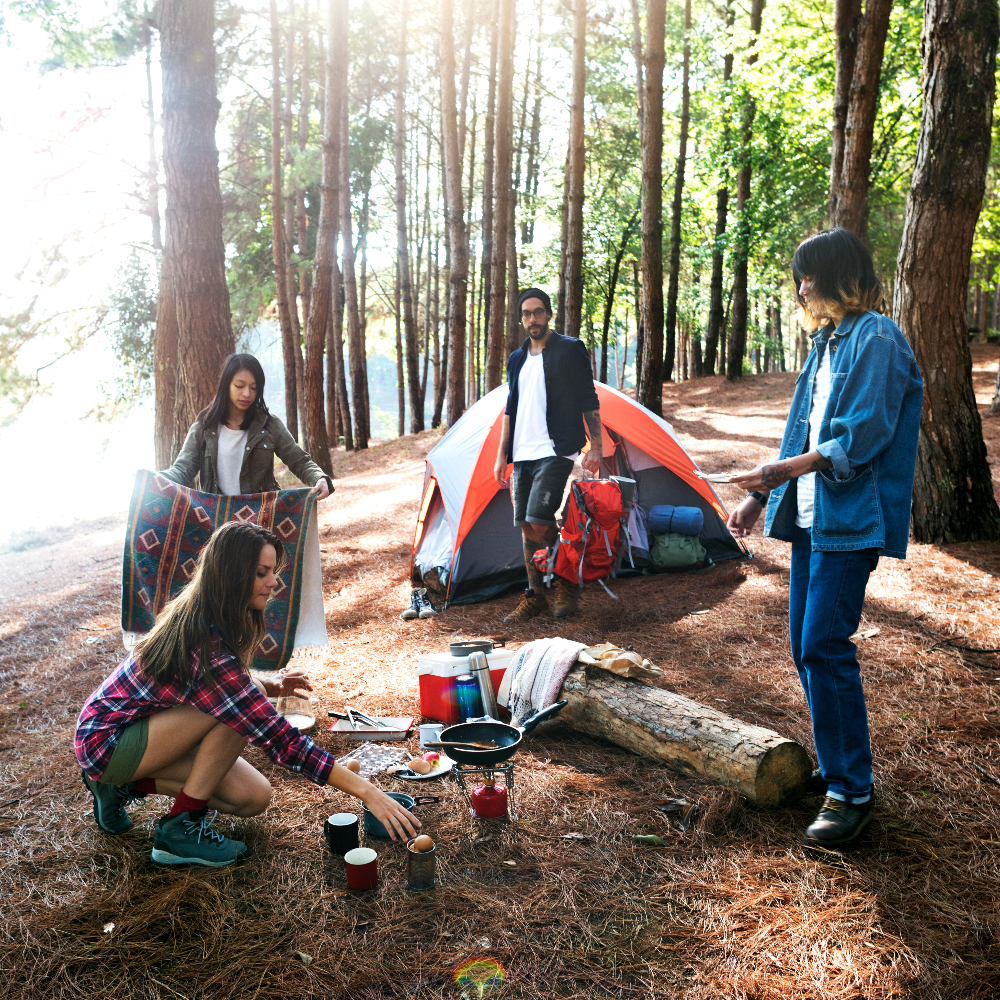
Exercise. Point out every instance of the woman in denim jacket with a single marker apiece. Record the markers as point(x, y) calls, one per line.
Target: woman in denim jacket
point(840, 493)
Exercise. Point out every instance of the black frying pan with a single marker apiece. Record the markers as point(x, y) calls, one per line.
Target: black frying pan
point(507, 738)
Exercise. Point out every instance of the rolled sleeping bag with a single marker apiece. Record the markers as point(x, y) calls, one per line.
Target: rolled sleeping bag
point(664, 519)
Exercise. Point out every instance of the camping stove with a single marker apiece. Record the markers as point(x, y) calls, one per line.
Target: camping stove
point(487, 799)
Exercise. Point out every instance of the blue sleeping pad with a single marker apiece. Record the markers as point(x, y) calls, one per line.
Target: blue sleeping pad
point(664, 520)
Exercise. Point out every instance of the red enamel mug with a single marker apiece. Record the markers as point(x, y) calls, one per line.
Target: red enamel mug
point(362, 868)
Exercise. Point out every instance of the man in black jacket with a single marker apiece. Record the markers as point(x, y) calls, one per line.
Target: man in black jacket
point(551, 396)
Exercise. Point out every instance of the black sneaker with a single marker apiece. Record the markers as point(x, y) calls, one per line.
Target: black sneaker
point(413, 611)
point(427, 610)
point(109, 804)
point(839, 822)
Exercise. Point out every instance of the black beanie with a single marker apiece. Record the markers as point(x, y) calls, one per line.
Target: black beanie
point(534, 293)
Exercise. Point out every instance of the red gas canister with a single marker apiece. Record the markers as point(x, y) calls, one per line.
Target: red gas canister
point(489, 801)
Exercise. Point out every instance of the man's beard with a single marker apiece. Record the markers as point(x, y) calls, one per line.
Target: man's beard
point(536, 332)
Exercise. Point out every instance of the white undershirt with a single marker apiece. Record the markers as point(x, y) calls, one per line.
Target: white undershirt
point(531, 431)
point(806, 488)
point(232, 445)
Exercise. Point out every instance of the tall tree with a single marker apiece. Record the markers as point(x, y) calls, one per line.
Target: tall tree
point(197, 272)
point(741, 245)
point(716, 310)
point(402, 236)
point(650, 389)
point(576, 167)
point(289, 348)
point(502, 177)
point(458, 236)
point(489, 166)
point(359, 386)
point(850, 165)
point(613, 272)
point(953, 494)
point(291, 258)
point(318, 316)
point(675, 222)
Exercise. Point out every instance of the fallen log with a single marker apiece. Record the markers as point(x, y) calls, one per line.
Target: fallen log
point(688, 737)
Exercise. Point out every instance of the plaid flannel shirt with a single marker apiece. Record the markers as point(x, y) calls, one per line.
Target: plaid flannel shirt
point(128, 696)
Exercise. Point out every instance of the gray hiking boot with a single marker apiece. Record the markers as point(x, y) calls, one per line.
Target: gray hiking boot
point(427, 610)
point(109, 804)
point(181, 840)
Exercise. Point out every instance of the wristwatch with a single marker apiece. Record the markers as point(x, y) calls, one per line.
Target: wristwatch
point(759, 497)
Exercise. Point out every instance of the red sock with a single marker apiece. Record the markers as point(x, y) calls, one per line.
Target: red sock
point(196, 808)
point(145, 786)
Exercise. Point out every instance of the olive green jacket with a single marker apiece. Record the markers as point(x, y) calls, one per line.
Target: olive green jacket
point(266, 438)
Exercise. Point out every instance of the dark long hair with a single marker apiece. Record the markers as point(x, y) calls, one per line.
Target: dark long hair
point(218, 410)
point(214, 605)
point(843, 272)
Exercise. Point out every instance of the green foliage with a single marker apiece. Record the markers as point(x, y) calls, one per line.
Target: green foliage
point(131, 325)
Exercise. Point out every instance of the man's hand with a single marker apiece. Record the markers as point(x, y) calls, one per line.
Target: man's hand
point(321, 489)
point(742, 520)
point(499, 469)
point(591, 462)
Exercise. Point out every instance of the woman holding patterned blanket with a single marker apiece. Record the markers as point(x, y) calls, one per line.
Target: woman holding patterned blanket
point(176, 714)
point(233, 441)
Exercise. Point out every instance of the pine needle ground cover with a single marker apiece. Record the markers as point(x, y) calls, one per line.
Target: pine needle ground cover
point(566, 904)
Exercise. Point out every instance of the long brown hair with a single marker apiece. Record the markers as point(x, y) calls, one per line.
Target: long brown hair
point(213, 606)
point(218, 410)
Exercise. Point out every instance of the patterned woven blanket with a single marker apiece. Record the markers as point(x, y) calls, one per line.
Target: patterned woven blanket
point(167, 527)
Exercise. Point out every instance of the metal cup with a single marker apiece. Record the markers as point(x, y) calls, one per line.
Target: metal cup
point(430, 732)
point(341, 832)
point(420, 867)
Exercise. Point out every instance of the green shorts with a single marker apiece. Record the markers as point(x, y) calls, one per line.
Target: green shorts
point(128, 754)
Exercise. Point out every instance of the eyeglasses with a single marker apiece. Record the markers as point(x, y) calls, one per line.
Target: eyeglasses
point(529, 314)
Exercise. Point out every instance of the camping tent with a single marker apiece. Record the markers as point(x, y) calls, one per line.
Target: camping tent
point(466, 548)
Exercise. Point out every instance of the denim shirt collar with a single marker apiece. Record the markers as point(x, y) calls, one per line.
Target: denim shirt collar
point(825, 333)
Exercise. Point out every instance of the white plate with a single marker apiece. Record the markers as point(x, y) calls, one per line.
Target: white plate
point(714, 477)
point(445, 764)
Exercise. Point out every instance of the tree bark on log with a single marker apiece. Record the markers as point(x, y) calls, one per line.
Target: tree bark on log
point(952, 494)
point(690, 738)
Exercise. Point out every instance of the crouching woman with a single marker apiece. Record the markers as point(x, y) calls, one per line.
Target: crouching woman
point(175, 715)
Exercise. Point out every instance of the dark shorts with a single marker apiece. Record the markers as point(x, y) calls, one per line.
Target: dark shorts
point(128, 753)
point(536, 489)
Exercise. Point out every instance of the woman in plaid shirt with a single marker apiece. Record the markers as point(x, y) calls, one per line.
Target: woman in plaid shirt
point(175, 715)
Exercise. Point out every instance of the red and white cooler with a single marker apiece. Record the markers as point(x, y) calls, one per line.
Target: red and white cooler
point(436, 673)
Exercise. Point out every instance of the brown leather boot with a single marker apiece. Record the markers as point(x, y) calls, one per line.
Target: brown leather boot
point(532, 605)
point(567, 598)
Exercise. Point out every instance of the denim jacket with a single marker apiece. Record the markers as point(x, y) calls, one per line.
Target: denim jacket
point(869, 433)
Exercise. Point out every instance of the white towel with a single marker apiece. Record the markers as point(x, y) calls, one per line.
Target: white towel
point(535, 675)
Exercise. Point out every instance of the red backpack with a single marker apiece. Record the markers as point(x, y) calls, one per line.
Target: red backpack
point(590, 540)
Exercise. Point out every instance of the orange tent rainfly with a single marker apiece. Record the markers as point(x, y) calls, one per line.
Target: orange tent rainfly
point(466, 547)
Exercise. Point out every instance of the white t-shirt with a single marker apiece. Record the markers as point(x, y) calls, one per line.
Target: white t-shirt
point(232, 445)
point(806, 487)
point(531, 431)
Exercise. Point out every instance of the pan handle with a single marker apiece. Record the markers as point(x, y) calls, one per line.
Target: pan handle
point(425, 800)
point(541, 716)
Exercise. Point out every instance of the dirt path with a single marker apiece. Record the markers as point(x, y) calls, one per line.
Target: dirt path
point(733, 907)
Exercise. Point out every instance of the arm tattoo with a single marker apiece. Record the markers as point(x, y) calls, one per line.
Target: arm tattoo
point(593, 418)
point(820, 463)
point(772, 476)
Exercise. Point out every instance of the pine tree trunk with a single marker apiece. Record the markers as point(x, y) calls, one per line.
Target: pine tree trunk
point(343, 399)
point(741, 249)
point(502, 179)
point(846, 21)
point(402, 237)
point(650, 390)
point(301, 221)
point(489, 167)
point(675, 226)
point(514, 329)
point(167, 437)
point(849, 202)
point(194, 206)
point(288, 346)
point(574, 176)
point(610, 300)
point(354, 338)
point(716, 311)
point(318, 317)
point(291, 258)
point(533, 171)
point(458, 236)
point(953, 493)
point(400, 378)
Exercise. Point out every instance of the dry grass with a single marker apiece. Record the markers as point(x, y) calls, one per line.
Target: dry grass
point(734, 907)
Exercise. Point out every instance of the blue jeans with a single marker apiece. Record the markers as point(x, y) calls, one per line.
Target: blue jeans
point(825, 595)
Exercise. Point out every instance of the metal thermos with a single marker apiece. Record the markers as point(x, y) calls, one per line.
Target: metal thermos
point(480, 669)
point(467, 695)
